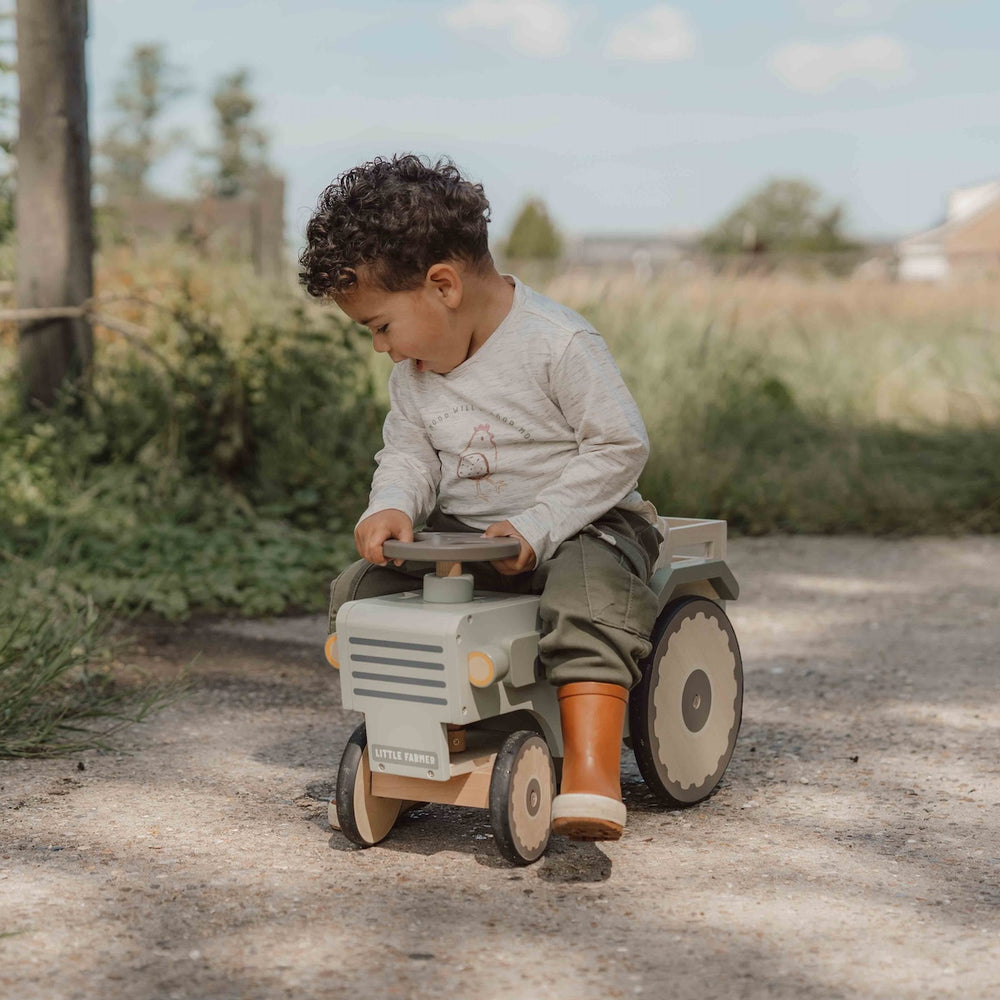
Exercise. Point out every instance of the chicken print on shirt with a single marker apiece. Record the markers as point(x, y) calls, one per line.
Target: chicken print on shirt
point(478, 461)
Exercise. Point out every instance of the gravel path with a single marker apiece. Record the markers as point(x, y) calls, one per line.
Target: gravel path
point(852, 851)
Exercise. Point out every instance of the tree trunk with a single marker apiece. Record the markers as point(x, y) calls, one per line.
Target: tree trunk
point(55, 241)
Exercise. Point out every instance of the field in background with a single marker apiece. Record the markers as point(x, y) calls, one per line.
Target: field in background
point(917, 355)
point(223, 454)
point(785, 404)
point(220, 458)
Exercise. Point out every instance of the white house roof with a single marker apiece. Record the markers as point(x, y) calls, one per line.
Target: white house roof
point(964, 205)
point(964, 202)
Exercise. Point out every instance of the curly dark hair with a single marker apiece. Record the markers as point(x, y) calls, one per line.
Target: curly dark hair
point(399, 217)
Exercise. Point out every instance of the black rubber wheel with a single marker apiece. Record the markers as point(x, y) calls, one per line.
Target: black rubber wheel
point(685, 713)
point(364, 819)
point(522, 787)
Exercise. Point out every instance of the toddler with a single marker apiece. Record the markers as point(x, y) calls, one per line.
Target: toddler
point(508, 417)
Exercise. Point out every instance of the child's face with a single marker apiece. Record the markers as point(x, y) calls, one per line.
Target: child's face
point(421, 325)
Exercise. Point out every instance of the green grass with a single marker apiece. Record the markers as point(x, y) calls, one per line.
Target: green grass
point(61, 687)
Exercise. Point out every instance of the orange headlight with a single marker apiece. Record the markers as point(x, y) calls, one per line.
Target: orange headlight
point(482, 669)
point(487, 665)
point(330, 648)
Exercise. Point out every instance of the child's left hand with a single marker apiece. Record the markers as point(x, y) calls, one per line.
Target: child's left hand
point(512, 565)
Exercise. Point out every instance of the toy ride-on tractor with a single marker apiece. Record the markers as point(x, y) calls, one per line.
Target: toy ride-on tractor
point(457, 711)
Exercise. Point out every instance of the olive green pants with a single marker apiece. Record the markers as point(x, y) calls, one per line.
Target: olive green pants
point(596, 610)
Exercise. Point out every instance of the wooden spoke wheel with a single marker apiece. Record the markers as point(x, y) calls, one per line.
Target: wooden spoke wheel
point(363, 818)
point(685, 713)
point(522, 787)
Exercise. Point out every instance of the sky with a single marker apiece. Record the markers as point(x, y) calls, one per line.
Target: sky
point(622, 115)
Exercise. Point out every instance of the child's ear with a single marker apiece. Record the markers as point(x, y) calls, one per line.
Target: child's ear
point(445, 283)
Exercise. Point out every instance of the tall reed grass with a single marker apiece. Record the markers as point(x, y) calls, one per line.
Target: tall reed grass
point(820, 406)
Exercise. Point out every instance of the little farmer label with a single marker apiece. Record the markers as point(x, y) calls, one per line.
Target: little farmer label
point(400, 756)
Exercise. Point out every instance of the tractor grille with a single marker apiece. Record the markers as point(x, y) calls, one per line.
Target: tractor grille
point(398, 671)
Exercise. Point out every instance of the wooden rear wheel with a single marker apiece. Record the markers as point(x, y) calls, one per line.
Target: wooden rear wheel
point(685, 713)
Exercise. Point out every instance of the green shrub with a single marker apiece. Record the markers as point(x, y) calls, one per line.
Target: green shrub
point(285, 412)
point(203, 471)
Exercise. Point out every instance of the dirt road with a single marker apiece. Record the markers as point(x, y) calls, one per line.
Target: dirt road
point(853, 850)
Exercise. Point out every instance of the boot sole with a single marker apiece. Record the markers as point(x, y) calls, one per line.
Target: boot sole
point(580, 816)
point(586, 828)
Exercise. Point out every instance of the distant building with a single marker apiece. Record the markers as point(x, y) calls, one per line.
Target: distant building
point(643, 254)
point(966, 243)
point(250, 226)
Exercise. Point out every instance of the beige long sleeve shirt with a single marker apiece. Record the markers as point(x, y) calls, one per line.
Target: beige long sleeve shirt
point(537, 427)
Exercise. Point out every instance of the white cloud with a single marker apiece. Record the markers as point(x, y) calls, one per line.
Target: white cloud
point(534, 27)
point(812, 67)
point(659, 34)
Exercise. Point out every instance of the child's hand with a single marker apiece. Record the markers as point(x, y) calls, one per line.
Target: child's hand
point(522, 562)
point(373, 531)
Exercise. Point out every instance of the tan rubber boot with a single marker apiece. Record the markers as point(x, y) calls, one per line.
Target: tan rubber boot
point(589, 804)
